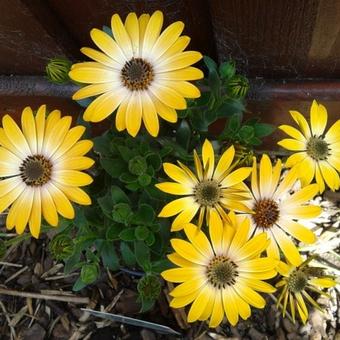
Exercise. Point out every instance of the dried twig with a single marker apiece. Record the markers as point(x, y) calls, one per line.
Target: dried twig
point(13, 334)
point(16, 274)
point(64, 298)
point(9, 264)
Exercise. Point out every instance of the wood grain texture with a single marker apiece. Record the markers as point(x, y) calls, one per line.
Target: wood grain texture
point(81, 16)
point(268, 38)
point(25, 46)
point(324, 51)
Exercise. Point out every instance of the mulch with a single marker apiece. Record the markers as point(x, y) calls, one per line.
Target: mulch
point(37, 302)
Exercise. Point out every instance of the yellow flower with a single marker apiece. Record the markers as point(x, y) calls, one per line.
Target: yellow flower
point(141, 72)
point(220, 277)
point(40, 169)
point(275, 209)
point(210, 189)
point(295, 283)
point(318, 152)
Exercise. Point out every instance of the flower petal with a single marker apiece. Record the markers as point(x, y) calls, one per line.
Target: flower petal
point(208, 158)
point(72, 178)
point(292, 144)
point(176, 206)
point(150, 117)
point(108, 46)
point(292, 132)
point(198, 240)
point(287, 246)
point(167, 38)
point(301, 122)
point(318, 117)
point(152, 32)
point(184, 217)
point(188, 251)
point(198, 306)
point(297, 230)
point(333, 134)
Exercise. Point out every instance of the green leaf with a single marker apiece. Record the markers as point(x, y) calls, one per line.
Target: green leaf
point(246, 132)
point(127, 234)
point(145, 214)
point(126, 153)
point(137, 165)
point(142, 253)
point(127, 178)
point(227, 70)
point(154, 160)
point(112, 232)
point(89, 273)
point(71, 263)
point(255, 141)
point(150, 240)
point(141, 232)
point(118, 195)
point(230, 107)
point(234, 122)
point(105, 203)
point(143, 148)
point(215, 84)
point(127, 254)
point(210, 63)
point(154, 227)
point(263, 129)
point(109, 255)
point(165, 151)
point(147, 304)
point(160, 265)
point(102, 144)
point(114, 167)
point(183, 134)
point(144, 180)
point(108, 30)
point(133, 186)
point(79, 285)
point(121, 213)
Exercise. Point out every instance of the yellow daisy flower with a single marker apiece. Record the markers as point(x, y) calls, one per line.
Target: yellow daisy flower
point(276, 211)
point(294, 285)
point(141, 72)
point(40, 169)
point(220, 276)
point(318, 152)
point(210, 189)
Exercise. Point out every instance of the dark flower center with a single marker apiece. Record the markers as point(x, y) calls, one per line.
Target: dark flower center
point(317, 148)
point(297, 281)
point(266, 213)
point(221, 272)
point(35, 170)
point(207, 192)
point(137, 74)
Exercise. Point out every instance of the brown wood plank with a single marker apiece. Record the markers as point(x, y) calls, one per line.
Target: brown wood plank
point(324, 51)
point(25, 46)
point(81, 16)
point(268, 38)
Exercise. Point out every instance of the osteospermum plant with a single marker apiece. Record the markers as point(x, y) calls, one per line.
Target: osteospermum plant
point(221, 276)
point(42, 169)
point(231, 224)
point(139, 71)
point(279, 212)
point(296, 286)
point(317, 155)
point(210, 189)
